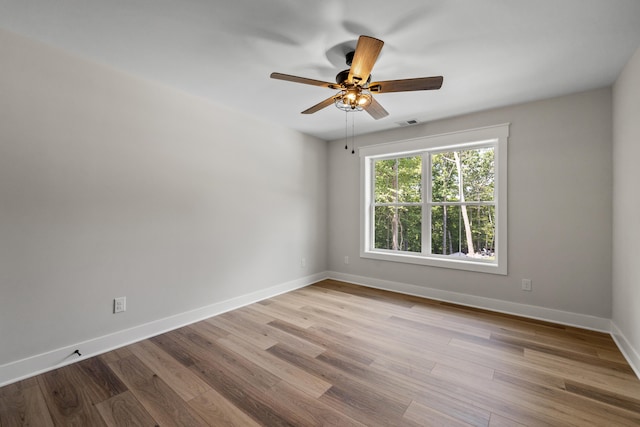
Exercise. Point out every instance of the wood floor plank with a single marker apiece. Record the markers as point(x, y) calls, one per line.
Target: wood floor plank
point(370, 294)
point(236, 327)
point(285, 312)
point(216, 410)
point(411, 351)
point(223, 359)
point(299, 378)
point(569, 354)
point(439, 328)
point(316, 336)
point(496, 360)
point(500, 421)
point(300, 317)
point(241, 391)
point(415, 351)
point(292, 341)
point(70, 397)
point(427, 416)
point(124, 410)
point(551, 405)
point(184, 382)
point(234, 377)
point(209, 328)
point(613, 355)
point(371, 400)
point(448, 369)
point(597, 411)
point(477, 397)
point(22, 404)
point(340, 354)
point(171, 344)
point(399, 334)
point(340, 305)
point(102, 377)
point(586, 373)
point(455, 409)
point(115, 355)
point(488, 349)
point(606, 396)
point(371, 408)
point(305, 410)
point(407, 371)
point(164, 404)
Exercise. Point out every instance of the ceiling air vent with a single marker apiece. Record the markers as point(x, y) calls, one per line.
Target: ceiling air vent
point(408, 122)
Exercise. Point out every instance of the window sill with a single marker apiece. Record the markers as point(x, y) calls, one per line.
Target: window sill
point(443, 262)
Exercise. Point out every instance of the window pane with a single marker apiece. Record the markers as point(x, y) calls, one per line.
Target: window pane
point(463, 231)
point(478, 174)
point(476, 167)
point(398, 180)
point(398, 228)
point(386, 178)
point(410, 179)
point(444, 178)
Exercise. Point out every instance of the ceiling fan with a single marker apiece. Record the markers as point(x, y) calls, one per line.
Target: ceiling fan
point(355, 84)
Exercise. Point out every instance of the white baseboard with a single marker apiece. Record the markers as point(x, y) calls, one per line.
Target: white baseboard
point(34, 365)
point(530, 311)
point(630, 353)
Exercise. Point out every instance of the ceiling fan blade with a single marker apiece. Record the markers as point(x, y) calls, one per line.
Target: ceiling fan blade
point(406, 85)
point(304, 80)
point(364, 58)
point(320, 105)
point(376, 110)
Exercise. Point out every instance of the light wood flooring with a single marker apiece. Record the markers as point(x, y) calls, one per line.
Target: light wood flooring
point(342, 355)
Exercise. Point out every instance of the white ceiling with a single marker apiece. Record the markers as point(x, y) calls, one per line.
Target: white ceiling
point(491, 52)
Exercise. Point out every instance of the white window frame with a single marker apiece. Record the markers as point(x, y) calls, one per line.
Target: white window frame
point(495, 136)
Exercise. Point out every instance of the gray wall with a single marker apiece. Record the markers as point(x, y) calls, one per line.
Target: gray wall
point(626, 205)
point(114, 186)
point(560, 180)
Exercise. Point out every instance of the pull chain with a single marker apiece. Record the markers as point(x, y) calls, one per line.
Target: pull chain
point(346, 131)
point(353, 134)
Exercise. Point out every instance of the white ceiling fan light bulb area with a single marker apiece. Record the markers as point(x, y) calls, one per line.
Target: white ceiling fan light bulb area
point(353, 99)
point(348, 101)
point(364, 99)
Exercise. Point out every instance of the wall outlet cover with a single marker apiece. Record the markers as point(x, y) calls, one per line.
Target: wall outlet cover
point(119, 304)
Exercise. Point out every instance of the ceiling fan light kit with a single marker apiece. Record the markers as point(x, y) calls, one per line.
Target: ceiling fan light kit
point(355, 86)
point(353, 99)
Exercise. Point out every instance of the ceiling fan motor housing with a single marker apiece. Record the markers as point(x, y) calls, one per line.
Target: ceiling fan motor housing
point(349, 57)
point(342, 76)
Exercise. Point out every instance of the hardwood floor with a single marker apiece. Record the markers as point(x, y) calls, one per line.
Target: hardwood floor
point(343, 355)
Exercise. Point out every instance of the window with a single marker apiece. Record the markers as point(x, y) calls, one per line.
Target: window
point(438, 200)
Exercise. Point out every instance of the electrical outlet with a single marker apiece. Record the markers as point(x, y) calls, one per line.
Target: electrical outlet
point(346, 259)
point(120, 304)
point(303, 262)
point(526, 285)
